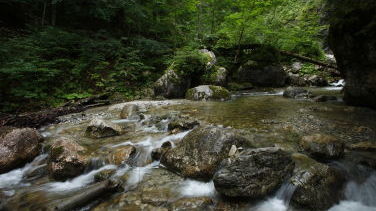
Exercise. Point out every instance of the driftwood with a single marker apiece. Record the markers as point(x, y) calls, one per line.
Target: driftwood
point(91, 193)
point(48, 116)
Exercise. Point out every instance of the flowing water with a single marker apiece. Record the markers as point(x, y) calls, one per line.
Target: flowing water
point(266, 118)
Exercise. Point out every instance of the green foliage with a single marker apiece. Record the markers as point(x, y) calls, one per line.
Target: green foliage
point(189, 61)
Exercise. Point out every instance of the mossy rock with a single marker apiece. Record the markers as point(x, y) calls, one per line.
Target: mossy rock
point(207, 92)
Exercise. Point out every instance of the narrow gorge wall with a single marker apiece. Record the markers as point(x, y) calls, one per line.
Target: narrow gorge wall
point(352, 37)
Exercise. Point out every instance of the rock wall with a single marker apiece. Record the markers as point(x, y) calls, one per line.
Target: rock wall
point(352, 37)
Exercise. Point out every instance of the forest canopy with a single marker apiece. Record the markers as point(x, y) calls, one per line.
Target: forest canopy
point(57, 50)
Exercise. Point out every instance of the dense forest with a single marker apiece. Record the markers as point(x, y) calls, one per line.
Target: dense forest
point(52, 51)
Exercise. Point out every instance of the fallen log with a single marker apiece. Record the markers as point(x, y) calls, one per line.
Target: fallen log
point(307, 59)
point(91, 193)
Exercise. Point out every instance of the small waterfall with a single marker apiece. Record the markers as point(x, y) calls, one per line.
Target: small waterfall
point(137, 174)
point(15, 177)
point(193, 188)
point(281, 200)
point(78, 182)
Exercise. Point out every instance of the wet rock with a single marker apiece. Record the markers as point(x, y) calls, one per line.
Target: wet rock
point(364, 146)
point(322, 147)
point(324, 98)
point(255, 173)
point(352, 37)
point(130, 112)
point(201, 151)
point(318, 186)
point(66, 159)
point(104, 175)
point(198, 203)
point(17, 147)
point(37, 172)
point(296, 93)
point(99, 128)
point(262, 75)
point(156, 154)
point(206, 92)
point(182, 124)
point(316, 80)
point(121, 154)
point(171, 85)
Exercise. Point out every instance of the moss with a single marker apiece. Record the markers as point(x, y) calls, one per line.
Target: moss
point(220, 92)
point(190, 94)
point(233, 86)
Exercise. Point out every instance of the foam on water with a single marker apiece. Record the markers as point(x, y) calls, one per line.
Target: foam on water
point(137, 174)
point(273, 204)
point(78, 182)
point(351, 206)
point(193, 188)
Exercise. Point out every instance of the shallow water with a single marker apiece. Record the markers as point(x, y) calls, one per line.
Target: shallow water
point(267, 117)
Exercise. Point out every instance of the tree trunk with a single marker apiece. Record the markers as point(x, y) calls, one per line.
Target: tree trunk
point(53, 14)
point(44, 12)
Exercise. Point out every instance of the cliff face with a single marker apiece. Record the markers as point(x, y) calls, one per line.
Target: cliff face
point(352, 37)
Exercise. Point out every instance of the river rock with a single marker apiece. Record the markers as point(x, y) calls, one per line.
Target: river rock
point(318, 186)
point(296, 80)
point(322, 147)
point(171, 85)
point(296, 93)
point(264, 76)
point(206, 92)
point(17, 147)
point(194, 204)
point(99, 128)
point(130, 112)
point(324, 98)
point(352, 38)
point(182, 123)
point(156, 154)
point(255, 173)
point(201, 151)
point(66, 159)
point(121, 154)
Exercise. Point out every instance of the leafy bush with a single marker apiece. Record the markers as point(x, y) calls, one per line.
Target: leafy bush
point(189, 61)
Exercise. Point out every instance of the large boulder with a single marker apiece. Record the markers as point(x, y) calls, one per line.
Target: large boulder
point(352, 38)
point(255, 173)
point(215, 76)
point(262, 75)
point(316, 80)
point(17, 147)
point(171, 85)
point(121, 154)
point(318, 186)
point(206, 92)
point(66, 159)
point(99, 128)
point(211, 57)
point(201, 151)
point(322, 147)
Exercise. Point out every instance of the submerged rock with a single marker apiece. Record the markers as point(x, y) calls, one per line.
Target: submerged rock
point(318, 186)
point(255, 173)
point(121, 154)
point(321, 146)
point(17, 147)
point(297, 93)
point(201, 151)
point(130, 112)
point(66, 159)
point(194, 204)
point(99, 128)
point(206, 92)
point(171, 85)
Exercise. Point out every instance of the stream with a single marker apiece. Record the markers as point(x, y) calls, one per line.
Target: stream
point(268, 118)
